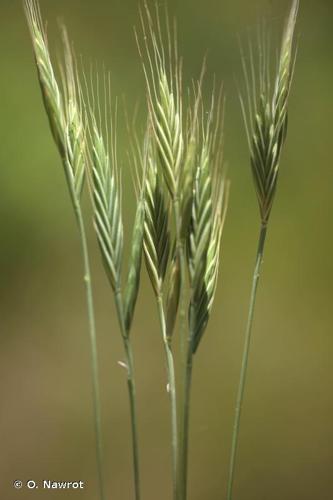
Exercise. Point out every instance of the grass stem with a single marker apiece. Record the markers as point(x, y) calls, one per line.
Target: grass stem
point(245, 359)
point(186, 421)
point(93, 348)
point(173, 396)
point(183, 347)
point(131, 392)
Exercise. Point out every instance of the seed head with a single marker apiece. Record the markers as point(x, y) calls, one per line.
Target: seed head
point(63, 104)
point(267, 116)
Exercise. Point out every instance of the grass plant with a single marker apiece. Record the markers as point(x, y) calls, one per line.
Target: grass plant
point(189, 159)
point(65, 112)
point(107, 195)
point(157, 253)
point(266, 120)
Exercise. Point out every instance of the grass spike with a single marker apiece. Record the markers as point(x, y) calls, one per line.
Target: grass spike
point(156, 234)
point(267, 133)
point(267, 116)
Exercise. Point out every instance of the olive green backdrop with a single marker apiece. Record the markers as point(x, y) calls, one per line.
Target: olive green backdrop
point(46, 431)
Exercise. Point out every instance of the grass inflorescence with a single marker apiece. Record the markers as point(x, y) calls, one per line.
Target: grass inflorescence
point(266, 127)
point(65, 111)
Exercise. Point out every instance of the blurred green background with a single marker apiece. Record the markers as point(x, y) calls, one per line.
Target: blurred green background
point(46, 431)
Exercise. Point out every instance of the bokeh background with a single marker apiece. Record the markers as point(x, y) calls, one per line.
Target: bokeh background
point(46, 431)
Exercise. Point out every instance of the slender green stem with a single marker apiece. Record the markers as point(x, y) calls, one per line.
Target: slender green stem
point(173, 395)
point(133, 414)
point(247, 344)
point(187, 358)
point(93, 347)
point(186, 420)
point(131, 392)
point(183, 343)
